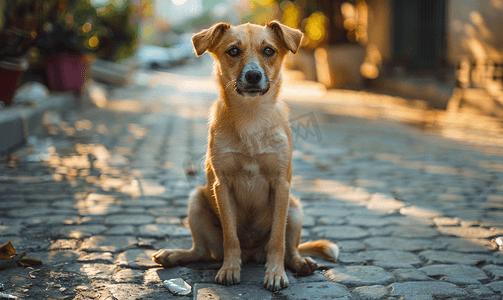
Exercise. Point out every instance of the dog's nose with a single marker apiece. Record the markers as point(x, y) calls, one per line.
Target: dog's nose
point(253, 76)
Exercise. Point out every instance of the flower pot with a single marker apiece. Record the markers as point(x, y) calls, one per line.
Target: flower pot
point(11, 74)
point(67, 71)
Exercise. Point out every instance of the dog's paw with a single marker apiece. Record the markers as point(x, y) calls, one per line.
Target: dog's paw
point(165, 257)
point(304, 266)
point(275, 278)
point(275, 281)
point(228, 276)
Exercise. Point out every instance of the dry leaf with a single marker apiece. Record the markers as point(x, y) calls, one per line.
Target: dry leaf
point(12, 161)
point(25, 262)
point(7, 251)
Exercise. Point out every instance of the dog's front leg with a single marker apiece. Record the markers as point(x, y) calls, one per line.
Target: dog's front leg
point(275, 275)
point(231, 268)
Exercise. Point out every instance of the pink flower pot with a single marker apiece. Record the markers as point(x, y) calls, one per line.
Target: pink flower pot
point(67, 71)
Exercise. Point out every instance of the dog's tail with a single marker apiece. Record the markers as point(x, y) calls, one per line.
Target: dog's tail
point(322, 248)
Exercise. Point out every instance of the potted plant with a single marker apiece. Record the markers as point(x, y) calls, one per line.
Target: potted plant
point(21, 24)
point(72, 33)
point(121, 36)
point(335, 38)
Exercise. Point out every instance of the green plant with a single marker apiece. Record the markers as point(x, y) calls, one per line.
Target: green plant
point(75, 27)
point(121, 38)
point(22, 23)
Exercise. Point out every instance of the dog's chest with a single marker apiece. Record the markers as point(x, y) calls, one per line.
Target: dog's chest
point(256, 172)
point(255, 142)
point(256, 154)
point(251, 166)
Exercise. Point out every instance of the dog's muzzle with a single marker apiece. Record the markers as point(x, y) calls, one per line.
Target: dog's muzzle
point(252, 80)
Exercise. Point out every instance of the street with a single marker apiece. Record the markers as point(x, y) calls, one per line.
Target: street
point(417, 215)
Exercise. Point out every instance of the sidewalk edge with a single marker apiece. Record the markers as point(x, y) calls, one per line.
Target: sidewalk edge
point(17, 124)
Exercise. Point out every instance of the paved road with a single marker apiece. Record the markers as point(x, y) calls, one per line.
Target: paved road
point(415, 214)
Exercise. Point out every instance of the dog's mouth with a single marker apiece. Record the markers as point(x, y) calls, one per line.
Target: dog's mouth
point(251, 91)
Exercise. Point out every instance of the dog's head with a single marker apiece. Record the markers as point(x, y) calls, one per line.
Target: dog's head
point(248, 57)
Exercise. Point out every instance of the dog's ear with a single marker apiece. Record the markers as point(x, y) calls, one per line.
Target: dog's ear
point(290, 37)
point(205, 39)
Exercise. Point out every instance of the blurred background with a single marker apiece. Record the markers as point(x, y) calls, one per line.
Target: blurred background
point(396, 112)
point(448, 54)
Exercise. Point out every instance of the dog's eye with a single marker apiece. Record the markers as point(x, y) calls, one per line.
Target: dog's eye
point(233, 52)
point(268, 51)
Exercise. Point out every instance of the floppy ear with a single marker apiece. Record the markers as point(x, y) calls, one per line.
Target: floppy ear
point(205, 39)
point(290, 37)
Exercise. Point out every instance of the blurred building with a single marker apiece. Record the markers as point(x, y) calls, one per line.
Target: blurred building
point(421, 49)
point(436, 46)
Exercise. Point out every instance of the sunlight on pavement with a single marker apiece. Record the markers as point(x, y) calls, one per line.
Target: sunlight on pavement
point(485, 131)
point(96, 204)
point(435, 169)
point(102, 167)
point(384, 204)
point(187, 83)
point(126, 105)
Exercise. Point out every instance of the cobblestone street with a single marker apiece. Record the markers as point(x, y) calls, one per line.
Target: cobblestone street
point(417, 215)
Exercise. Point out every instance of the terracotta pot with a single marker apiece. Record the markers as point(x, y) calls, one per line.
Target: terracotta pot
point(67, 71)
point(11, 74)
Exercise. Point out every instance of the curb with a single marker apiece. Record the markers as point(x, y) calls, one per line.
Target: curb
point(17, 124)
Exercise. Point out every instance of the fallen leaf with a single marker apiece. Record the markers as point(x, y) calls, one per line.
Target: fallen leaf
point(7, 251)
point(25, 262)
point(12, 161)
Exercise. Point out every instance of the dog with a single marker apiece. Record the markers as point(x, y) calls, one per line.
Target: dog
point(245, 211)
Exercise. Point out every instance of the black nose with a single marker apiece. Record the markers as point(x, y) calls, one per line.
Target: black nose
point(253, 76)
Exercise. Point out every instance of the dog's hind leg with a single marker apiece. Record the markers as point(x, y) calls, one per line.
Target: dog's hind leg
point(207, 240)
point(293, 260)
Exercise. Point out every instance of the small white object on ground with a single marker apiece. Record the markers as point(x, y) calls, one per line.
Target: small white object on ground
point(499, 242)
point(177, 286)
point(7, 296)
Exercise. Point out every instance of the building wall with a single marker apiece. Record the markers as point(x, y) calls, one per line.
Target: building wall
point(474, 29)
point(380, 29)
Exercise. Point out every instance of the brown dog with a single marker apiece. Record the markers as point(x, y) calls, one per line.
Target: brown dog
point(245, 211)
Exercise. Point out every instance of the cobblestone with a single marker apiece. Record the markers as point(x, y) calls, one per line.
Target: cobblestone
point(458, 274)
point(353, 276)
point(453, 270)
point(427, 288)
point(414, 214)
point(410, 274)
point(96, 257)
point(496, 272)
point(450, 257)
point(127, 276)
point(136, 258)
point(108, 243)
point(467, 245)
point(391, 259)
point(316, 290)
point(496, 286)
point(129, 219)
point(395, 243)
point(373, 292)
point(340, 232)
point(480, 290)
point(208, 291)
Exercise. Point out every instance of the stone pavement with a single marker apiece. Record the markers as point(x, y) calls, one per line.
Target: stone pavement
point(415, 214)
